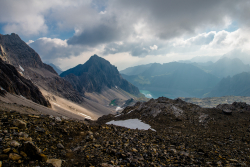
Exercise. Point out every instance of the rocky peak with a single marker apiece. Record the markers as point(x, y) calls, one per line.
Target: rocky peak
point(17, 52)
point(95, 75)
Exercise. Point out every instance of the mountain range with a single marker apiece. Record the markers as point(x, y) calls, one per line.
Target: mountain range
point(224, 67)
point(191, 79)
point(25, 74)
point(237, 85)
point(173, 79)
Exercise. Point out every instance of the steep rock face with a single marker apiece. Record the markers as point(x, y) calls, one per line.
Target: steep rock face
point(13, 82)
point(95, 75)
point(17, 53)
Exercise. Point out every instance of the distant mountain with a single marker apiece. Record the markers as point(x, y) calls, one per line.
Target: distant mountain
point(17, 53)
point(201, 59)
point(224, 67)
point(238, 85)
point(56, 68)
point(13, 82)
point(135, 70)
point(96, 75)
point(243, 56)
point(174, 80)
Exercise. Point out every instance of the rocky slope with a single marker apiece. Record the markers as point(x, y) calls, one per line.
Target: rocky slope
point(210, 102)
point(17, 53)
point(186, 135)
point(96, 75)
point(56, 68)
point(12, 81)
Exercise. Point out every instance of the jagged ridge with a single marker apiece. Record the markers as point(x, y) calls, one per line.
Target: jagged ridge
point(95, 75)
point(17, 53)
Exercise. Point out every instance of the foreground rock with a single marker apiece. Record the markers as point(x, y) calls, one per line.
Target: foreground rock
point(186, 135)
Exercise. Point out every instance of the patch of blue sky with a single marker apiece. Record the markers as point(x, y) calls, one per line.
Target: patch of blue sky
point(231, 28)
point(1, 28)
point(100, 5)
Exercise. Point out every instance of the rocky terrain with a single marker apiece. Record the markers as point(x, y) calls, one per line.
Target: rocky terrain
point(13, 82)
point(185, 135)
point(210, 102)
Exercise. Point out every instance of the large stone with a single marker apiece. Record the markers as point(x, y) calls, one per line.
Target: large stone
point(19, 123)
point(6, 150)
point(55, 162)
point(14, 143)
point(14, 156)
point(59, 145)
point(31, 150)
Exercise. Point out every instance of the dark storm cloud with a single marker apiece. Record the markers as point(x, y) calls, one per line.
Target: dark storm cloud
point(97, 35)
point(51, 49)
point(163, 19)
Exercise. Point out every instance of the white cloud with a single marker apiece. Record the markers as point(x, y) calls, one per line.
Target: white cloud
point(154, 47)
point(29, 42)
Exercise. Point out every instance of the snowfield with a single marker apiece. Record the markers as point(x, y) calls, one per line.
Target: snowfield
point(21, 68)
point(131, 124)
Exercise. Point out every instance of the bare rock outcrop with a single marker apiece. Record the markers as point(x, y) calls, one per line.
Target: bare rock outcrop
point(12, 82)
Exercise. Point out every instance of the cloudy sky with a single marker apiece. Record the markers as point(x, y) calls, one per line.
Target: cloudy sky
point(128, 33)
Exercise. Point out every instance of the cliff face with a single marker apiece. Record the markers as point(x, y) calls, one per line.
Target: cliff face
point(13, 82)
point(95, 75)
point(17, 53)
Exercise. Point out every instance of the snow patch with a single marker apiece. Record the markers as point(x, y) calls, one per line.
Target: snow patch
point(21, 68)
point(116, 87)
point(129, 112)
point(131, 124)
point(148, 95)
point(118, 108)
point(118, 115)
point(2, 88)
point(86, 116)
point(56, 104)
point(23, 96)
